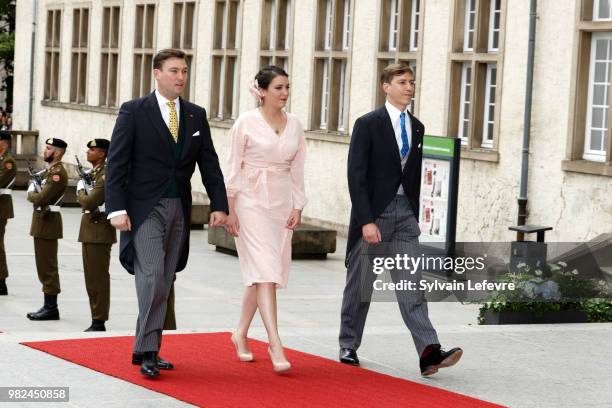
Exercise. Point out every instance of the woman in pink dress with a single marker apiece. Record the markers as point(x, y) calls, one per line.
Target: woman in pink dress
point(265, 189)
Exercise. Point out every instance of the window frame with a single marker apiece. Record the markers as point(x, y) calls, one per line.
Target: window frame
point(403, 50)
point(274, 54)
point(491, 28)
point(103, 95)
point(190, 52)
point(78, 84)
point(333, 49)
point(53, 55)
point(479, 143)
point(575, 160)
point(589, 154)
point(144, 51)
point(225, 50)
point(595, 14)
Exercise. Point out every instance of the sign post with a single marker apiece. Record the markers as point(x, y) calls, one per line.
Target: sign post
point(439, 190)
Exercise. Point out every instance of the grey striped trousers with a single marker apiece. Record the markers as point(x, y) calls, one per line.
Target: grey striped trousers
point(157, 246)
point(397, 225)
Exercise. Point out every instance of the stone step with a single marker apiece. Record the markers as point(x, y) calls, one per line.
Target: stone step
point(309, 242)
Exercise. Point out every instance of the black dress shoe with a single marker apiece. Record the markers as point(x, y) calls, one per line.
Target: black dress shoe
point(434, 358)
point(96, 326)
point(162, 364)
point(148, 368)
point(3, 288)
point(45, 313)
point(349, 356)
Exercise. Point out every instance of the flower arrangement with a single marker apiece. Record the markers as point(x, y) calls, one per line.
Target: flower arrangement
point(554, 290)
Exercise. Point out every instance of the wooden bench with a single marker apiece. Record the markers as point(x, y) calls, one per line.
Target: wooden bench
point(309, 242)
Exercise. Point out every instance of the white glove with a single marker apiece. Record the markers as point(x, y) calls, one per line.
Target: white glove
point(80, 185)
point(31, 188)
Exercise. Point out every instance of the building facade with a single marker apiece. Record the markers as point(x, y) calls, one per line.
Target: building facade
point(470, 60)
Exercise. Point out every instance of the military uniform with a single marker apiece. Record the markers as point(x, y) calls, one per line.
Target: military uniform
point(8, 170)
point(97, 235)
point(47, 226)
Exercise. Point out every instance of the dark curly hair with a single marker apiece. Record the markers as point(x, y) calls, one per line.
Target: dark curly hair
point(265, 76)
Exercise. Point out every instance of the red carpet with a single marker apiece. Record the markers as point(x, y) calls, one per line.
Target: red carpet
point(209, 374)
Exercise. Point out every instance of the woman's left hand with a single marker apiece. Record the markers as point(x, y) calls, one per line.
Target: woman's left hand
point(295, 218)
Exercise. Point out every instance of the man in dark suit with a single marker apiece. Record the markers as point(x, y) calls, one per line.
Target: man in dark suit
point(155, 146)
point(384, 171)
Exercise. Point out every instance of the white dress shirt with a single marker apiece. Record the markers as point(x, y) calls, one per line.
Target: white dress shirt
point(394, 114)
point(165, 112)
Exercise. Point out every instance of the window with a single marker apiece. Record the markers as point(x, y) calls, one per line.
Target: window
point(80, 35)
point(464, 115)
point(144, 49)
point(224, 102)
point(494, 24)
point(331, 62)
point(589, 142)
point(184, 38)
point(598, 104)
point(476, 58)
point(602, 10)
point(276, 34)
point(399, 39)
point(52, 54)
point(109, 64)
point(470, 25)
point(489, 107)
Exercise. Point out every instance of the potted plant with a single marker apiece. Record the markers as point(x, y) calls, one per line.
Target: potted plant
point(552, 296)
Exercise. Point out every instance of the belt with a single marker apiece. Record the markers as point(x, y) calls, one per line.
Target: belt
point(260, 173)
point(101, 209)
point(6, 191)
point(52, 208)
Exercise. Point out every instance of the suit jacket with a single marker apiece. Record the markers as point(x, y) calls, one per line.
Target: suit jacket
point(48, 224)
point(140, 167)
point(375, 169)
point(8, 171)
point(95, 227)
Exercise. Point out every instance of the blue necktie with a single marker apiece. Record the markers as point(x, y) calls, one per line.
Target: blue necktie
point(405, 145)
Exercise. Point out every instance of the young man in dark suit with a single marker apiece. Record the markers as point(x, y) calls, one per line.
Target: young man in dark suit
point(155, 146)
point(384, 172)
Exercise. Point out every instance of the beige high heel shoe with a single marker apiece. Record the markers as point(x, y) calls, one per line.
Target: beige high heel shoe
point(241, 356)
point(279, 367)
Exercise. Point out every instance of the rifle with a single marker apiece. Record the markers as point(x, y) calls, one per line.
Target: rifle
point(86, 177)
point(36, 179)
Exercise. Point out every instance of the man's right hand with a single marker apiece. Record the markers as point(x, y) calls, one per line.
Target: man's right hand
point(121, 222)
point(371, 233)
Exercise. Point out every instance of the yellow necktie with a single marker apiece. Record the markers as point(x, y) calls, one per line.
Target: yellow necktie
point(173, 121)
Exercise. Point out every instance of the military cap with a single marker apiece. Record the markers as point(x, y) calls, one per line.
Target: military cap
point(54, 141)
point(4, 135)
point(99, 143)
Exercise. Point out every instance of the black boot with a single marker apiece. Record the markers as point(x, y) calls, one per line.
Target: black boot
point(48, 312)
point(96, 325)
point(149, 364)
point(3, 288)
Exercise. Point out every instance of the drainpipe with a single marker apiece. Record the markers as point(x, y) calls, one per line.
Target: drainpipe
point(31, 102)
point(522, 200)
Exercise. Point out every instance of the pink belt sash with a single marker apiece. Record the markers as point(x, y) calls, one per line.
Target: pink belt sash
point(259, 173)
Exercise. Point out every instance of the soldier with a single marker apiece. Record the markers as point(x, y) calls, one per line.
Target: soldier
point(47, 227)
point(96, 236)
point(8, 170)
